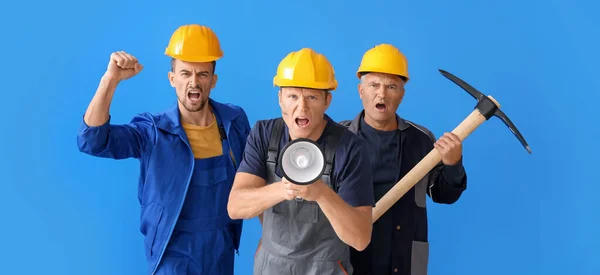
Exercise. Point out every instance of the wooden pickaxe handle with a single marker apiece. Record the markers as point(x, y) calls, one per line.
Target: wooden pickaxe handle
point(464, 129)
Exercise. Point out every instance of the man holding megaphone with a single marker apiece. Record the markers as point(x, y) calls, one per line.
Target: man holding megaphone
point(304, 176)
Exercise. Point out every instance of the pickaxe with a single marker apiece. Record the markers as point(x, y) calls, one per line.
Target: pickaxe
point(486, 107)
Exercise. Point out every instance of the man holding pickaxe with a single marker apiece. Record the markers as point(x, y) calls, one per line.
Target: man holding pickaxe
point(399, 243)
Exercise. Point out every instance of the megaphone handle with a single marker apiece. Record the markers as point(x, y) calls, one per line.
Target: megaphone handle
point(299, 199)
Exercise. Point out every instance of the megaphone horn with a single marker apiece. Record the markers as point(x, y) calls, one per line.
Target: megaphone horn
point(302, 161)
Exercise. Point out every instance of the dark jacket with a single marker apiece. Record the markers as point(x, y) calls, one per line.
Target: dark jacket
point(399, 242)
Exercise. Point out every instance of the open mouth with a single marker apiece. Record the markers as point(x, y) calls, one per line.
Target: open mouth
point(381, 107)
point(194, 95)
point(302, 121)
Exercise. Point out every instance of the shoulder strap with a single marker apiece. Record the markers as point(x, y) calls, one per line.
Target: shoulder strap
point(334, 135)
point(331, 142)
point(222, 132)
point(274, 141)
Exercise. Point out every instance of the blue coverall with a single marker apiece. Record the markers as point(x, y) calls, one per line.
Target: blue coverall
point(183, 201)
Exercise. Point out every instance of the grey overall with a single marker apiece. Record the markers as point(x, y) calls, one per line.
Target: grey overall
point(297, 238)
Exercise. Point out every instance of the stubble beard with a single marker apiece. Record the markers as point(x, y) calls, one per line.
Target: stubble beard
point(192, 108)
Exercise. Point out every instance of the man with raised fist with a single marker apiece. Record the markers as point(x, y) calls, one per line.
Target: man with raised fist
point(188, 157)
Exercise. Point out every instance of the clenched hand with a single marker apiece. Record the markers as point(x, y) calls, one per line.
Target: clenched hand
point(310, 192)
point(122, 66)
point(450, 148)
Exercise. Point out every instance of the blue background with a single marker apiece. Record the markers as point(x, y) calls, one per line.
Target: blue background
point(68, 213)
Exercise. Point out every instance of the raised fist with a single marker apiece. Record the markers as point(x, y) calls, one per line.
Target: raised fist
point(122, 66)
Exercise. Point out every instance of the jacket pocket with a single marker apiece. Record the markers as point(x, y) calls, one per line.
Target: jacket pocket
point(419, 258)
point(151, 214)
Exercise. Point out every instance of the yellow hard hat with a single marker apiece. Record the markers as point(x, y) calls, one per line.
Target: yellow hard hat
point(307, 69)
point(384, 58)
point(194, 43)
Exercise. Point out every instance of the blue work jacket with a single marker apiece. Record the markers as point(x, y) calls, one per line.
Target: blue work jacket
point(159, 142)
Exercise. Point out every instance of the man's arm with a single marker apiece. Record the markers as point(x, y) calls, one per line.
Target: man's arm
point(353, 225)
point(97, 112)
point(250, 196)
point(98, 137)
point(350, 210)
point(447, 183)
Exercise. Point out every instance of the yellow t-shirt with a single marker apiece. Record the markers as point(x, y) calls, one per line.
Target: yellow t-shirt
point(204, 140)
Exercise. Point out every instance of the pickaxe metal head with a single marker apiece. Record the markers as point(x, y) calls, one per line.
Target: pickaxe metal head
point(487, 106)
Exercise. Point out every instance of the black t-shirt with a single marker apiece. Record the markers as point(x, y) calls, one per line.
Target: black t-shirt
point(385, 156)
point(350, 173)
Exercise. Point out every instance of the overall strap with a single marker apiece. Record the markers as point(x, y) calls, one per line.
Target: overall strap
point(225, 142)
point(222, 132)
point(334, 136)
point(274, 141)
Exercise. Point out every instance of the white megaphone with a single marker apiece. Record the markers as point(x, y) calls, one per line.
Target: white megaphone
point(302, 161)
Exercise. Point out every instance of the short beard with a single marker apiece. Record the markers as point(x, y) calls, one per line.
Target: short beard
point(194, 108)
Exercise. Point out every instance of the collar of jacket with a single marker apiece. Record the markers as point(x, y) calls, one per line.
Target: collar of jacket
point(355, 124)
point(171, 119)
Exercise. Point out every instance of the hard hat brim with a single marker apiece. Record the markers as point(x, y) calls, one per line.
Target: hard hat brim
point(312, 85)
point(366, 71)
point(194, 58)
